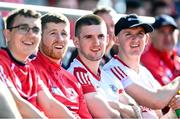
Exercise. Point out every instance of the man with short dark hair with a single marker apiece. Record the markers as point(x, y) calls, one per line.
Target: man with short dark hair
point(108, 15)
point(101, 92)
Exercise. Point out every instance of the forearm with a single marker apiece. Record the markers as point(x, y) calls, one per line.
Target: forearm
point(99, 107)
point(130, 101)
point(8, 108)
point(52, 107)
point(26, 109)
point(167, 92)
point(159, 98)
point(127, 111)
point(58, 110)
point(130, 111)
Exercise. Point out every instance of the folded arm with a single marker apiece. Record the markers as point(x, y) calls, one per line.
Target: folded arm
point(99, 107)
point(154, 99)
point(51, 107)
point(26, 109)
point(8, 108)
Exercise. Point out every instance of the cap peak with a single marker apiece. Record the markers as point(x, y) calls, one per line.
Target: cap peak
point(131, 21)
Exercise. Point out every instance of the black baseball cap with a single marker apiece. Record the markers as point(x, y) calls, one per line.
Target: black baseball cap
point(164, 20)
point(131, 21)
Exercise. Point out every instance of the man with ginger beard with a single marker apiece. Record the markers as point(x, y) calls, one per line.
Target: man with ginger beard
point(62, 85)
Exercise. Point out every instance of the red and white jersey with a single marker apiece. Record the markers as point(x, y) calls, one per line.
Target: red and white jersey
point(103, 84)
point(62, 85)
point(22, 76)
point(164, 66)
point(116, 67)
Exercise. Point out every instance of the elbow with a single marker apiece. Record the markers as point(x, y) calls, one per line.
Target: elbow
point(107, 115)
point(158, 104)
point(117, 115)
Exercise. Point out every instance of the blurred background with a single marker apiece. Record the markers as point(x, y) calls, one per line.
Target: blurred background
point(149, 8)
point(73, 9)
point(141, 7)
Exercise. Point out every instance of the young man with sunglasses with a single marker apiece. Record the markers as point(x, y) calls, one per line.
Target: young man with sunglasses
point(23, 34)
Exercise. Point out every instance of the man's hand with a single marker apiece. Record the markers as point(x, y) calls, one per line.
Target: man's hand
point(175, 102)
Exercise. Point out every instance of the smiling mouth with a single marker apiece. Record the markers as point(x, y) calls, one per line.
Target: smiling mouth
point(95, 49)
point(28, 43)
point(134, 45)
point(59, 47)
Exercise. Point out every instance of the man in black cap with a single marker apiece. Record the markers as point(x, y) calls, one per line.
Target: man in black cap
point(132, 37)
point(165, 64)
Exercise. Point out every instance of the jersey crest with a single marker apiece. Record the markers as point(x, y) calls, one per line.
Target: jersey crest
point(114, 88)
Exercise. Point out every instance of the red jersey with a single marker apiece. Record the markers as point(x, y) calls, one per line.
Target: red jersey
point(163, 66)
point(62, 85)
point(23, 76)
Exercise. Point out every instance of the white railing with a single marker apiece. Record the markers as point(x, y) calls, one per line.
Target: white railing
point(66, 11)
point(70, 13)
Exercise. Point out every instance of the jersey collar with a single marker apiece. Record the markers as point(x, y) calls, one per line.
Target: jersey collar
point(13, 58)
point(47, 61)
point(98, 77)
point(117, 58)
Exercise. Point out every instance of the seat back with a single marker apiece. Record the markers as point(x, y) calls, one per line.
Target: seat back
point(2, 39)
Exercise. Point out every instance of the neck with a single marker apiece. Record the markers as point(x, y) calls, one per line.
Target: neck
point(92, 65)
point(54, 60)
point(18, 58)
point(57, 61)
point(131, 61)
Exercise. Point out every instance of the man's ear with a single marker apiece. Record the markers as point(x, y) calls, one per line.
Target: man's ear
point(108, 39)
point(116, 40)
point(147, 38)
point(76, 42)
point(6, 34)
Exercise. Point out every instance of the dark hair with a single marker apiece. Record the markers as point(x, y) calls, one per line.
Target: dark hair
point(133, 4)
point(157, 5)
point(53, 17)
point(21, 12)
point(103, 10)
point(87, 20)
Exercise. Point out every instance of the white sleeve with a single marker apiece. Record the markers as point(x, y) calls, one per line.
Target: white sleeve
point(126, 82)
